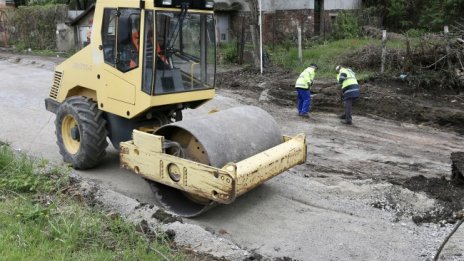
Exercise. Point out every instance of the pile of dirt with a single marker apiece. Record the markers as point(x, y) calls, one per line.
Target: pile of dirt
point(404, 203)
point(375, 32)
point(388, 98)
point(447, 195)
point(457, 167)
point(424, 200)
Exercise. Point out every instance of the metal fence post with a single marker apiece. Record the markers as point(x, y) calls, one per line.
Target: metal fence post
point(448, 48)
point(300, 46)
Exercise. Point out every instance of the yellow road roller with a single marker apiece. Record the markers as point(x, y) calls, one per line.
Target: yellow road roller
point(145, 63)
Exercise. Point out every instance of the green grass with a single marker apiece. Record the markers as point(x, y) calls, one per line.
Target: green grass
point(39, 222)
point(22, 174)
point(50, 53)
point(326, 56)
point(31, 231)
point(329, 54)
point(23, 49)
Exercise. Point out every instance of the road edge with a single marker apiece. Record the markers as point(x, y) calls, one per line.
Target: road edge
point(185, 235)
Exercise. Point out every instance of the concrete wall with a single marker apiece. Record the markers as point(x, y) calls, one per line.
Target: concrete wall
point(282, 5)
point(282, 25)
point(274, 5)
point(65, 37)
point(72, 14)
point(84, 30)
point(342, 4)
point(222, 27)
point(282, 17)
point(74, 37)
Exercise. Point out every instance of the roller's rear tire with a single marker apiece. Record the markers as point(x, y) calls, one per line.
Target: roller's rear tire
point(81, 132)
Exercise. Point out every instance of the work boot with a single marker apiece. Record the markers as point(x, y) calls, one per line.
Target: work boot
point(344, 121)
point(343, 116)
point(304, 115)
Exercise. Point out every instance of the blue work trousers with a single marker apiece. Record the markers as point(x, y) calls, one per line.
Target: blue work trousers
point(304, 101)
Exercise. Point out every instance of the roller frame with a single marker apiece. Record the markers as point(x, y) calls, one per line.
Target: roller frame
point(145, 156)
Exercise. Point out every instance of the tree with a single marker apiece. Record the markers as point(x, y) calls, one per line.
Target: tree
point(81, 4)
point(423, 14)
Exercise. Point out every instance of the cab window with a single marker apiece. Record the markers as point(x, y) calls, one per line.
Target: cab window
point(109, 35)
point(121, 38)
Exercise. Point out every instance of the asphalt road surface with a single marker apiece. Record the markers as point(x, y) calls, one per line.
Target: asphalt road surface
point(322, 210)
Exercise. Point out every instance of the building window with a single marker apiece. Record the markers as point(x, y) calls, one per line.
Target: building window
point(333, 17)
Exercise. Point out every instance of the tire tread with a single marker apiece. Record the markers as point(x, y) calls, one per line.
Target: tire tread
point(93, 132)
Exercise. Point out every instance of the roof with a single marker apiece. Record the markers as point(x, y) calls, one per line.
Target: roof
point(81, 16)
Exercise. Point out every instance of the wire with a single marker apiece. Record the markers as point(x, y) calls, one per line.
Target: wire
point(176, 148)
point(437, 255)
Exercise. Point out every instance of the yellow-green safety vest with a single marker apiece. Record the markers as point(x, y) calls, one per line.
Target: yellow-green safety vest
point(350, 77)
point(306, 78)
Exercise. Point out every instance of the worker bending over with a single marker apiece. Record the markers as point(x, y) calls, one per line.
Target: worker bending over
point(304, 81)
point(350, 91)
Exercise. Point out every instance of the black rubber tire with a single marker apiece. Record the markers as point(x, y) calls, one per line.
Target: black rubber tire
point(92, 132)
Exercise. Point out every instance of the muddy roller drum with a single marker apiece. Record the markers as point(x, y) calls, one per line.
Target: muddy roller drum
point(216, 139)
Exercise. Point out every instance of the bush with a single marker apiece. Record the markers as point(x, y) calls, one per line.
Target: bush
point(346, 26)
point(227, 52)
point(35, 26)
point(415, 32)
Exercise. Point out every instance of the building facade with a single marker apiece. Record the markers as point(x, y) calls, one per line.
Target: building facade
point(281, 18)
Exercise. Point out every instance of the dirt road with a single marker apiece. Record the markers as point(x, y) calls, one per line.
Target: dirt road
point(348, 202)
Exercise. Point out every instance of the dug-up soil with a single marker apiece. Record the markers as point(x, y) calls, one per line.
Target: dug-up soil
point(380, 98)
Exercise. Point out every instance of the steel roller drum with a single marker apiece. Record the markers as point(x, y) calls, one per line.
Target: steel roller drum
point(216, 139)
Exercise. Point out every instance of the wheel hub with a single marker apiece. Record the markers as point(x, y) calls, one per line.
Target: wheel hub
point(70, 134)
point(75, 135)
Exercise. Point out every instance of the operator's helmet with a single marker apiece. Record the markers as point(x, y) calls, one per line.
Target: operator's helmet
point(338, 68)
point(314, 66)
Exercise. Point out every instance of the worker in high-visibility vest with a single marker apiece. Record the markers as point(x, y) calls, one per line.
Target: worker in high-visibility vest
point(350, 91)
point(302, 85)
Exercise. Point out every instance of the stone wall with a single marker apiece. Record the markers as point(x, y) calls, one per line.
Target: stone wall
point(280, 26)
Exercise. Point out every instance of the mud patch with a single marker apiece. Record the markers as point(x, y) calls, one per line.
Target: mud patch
point(457, 167)
point(387, 98)
point(424, 200)
point(165, 217)
point(449, 196)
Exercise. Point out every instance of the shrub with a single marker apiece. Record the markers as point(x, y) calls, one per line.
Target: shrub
point(415, 32)
point(346, 26)
point(228, 52)
point(40, 34)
